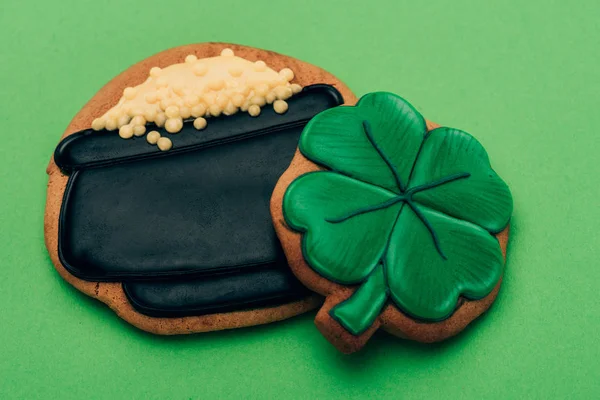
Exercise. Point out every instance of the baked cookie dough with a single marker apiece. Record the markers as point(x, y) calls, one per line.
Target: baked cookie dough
point(158, 193)
point(400, 223)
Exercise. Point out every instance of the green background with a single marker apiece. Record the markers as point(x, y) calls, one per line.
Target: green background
point(522, 76)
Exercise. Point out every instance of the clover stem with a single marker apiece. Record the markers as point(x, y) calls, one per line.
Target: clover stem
point(357, 313)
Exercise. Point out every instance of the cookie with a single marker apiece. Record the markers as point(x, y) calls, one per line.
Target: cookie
point(400, 223)
point(158, 193)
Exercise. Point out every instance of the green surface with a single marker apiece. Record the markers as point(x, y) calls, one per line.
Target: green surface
point(522, 76)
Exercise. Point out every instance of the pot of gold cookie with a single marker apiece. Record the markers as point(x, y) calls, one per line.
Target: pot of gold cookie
point(158, 194)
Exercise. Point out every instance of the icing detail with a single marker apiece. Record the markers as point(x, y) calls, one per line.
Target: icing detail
point(407, 214)
point(254, 110)
point(160, 119)
point(200, 123)
point(173, 125)
point(98, 124)
point(270, 98)
point(197, 88)
point(259, 287)
point(280, 106)
point(164, 143)
point(227, 53)
point(139, 130)
point(191, 58)
point(152, 137)
point(126, 131)
point(369, 299)
point(286, 74)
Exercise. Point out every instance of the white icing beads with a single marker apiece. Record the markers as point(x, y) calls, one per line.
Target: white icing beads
point(280, 106)
point(222, 100)
point(152, 137)
point(139, 130)
point(161, 82)
point(98, 124)
point(173, 125)
point(254, 110)
point(126, 131)
point(216, 84)
point(287, 74)
point(111, 124)
point(185, 112)
point(258, 100)
point(214, 110)
point(200, 123)
point(172, 112)
point(195, 90)
point(198, 110)
point(151, 98)
point(129, 93)
point(237, 99)
point(138, 120)
point(260, 66)
point(123, 120)
point(179, 90)
point(150, 115)
point(160, 119)
point(191, 100)
point(283, 92)
point(230, 109)
point(262, 89)
point(164, 143)
point(270, 98)
point(235, 71)
point(155, 72)
point(200, 69)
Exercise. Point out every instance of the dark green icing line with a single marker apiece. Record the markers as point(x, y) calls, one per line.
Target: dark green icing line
point(407, 198)
point(368, 209)
point(391, 166)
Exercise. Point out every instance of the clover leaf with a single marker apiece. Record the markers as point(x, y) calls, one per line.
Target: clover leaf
point(407, 214)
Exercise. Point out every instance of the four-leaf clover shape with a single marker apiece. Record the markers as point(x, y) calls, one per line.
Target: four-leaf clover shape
point(406, 213)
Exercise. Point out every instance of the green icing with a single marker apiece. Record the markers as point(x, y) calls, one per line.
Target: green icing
point(406, 214)
point(356, 313)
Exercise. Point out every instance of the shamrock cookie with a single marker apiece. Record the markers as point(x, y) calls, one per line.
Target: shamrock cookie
point(158, 194)
point(402, 224)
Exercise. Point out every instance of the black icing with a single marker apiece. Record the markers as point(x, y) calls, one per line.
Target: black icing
point(241, 290)
point(196, 216)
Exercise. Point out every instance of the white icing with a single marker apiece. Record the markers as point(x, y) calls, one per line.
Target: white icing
point(126, 131)
point(254, 110)
point(196, 89)
point(280, 106)
point(152, 137)
point(164, 143)
point(200, 123)
point(139, 130)
point(173, 125)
